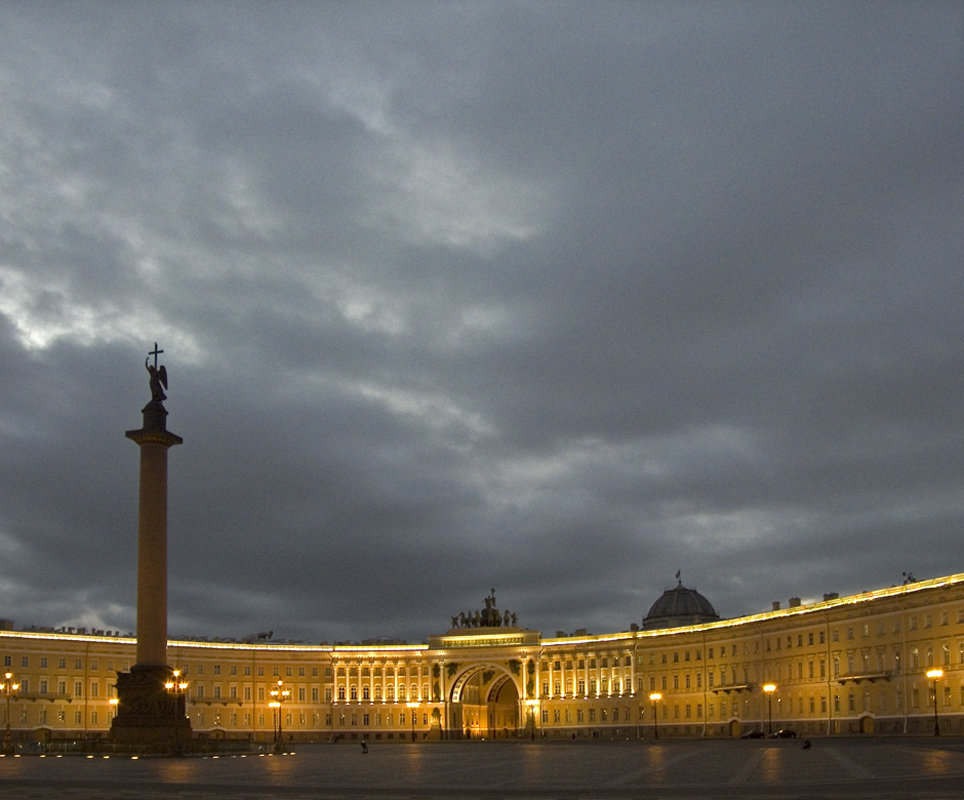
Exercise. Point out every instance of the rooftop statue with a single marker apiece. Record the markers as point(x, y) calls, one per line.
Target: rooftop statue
point(488, 617)
point(158, 376)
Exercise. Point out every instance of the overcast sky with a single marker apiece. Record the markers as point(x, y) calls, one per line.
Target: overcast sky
point(553, 298)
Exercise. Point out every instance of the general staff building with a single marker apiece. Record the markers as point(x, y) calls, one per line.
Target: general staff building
point(843, 665)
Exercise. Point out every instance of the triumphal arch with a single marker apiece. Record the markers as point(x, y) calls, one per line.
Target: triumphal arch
point(487, 670)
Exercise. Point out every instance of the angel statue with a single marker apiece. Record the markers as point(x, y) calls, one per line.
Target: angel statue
point(158, 381)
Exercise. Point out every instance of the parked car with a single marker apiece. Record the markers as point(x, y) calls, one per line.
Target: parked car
point(752, 735)
point(784, 733)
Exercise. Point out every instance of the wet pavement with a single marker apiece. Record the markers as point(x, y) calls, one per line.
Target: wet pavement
point(856, 769)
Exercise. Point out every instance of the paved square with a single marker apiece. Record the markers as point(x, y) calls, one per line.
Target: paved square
point(856, 769)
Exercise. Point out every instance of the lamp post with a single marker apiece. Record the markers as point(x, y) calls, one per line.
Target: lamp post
point(935, 675)
point(531, 709)
point(655, 697)
point(278, 696)
point(8, 688)
point(413, 708)
point(769, 688)
point(176, 687)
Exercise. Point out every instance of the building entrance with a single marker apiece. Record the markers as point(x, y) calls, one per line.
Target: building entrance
point(485, 704)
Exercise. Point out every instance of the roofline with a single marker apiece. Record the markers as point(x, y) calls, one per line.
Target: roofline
point(794, 611)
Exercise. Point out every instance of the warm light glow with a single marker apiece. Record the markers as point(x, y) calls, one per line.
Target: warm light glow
point(278, 695)
point(934, 674)
point(412, 704)
point(656, 697)
point(7, 687)
point(769, 687)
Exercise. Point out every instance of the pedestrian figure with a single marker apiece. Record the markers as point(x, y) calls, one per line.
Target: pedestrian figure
point(806, 744)
point(364, 746)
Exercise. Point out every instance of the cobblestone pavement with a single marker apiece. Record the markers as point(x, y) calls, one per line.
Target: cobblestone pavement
point(925, 769)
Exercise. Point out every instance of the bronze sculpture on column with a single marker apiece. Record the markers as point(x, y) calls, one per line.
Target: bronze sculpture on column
point(149, 716)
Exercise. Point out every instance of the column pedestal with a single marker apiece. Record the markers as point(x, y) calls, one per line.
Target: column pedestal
point(149, 717)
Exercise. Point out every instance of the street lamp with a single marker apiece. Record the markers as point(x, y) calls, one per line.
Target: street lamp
point(413, 707)
point(769, 688)
point(8, 689)
point(655, 697)
point(935, 675)
point(531, 708)
point(176, 686)
point(278, 696)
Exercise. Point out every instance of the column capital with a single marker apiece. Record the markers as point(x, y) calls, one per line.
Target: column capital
point(154, 436)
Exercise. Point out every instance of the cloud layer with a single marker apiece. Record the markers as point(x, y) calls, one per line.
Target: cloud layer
point(550, 298)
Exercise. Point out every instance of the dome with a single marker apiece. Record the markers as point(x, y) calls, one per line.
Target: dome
point(679, 606)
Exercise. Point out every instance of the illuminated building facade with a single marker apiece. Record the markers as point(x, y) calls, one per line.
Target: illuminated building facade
point(846, 665)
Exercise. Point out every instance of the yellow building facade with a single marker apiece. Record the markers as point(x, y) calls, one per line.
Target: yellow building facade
point(852, 665)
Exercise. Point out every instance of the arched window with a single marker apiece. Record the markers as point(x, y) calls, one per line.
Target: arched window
point(354, 692)
point(366, 692)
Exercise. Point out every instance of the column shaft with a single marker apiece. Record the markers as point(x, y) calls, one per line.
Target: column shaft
point(152, 555)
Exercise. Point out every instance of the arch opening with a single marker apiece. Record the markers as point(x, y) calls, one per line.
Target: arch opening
point(485, 704)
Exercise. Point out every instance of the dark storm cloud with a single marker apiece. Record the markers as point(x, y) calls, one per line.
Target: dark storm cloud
point(545, 298)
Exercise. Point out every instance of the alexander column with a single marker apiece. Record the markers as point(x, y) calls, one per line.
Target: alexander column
point(150, 716)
